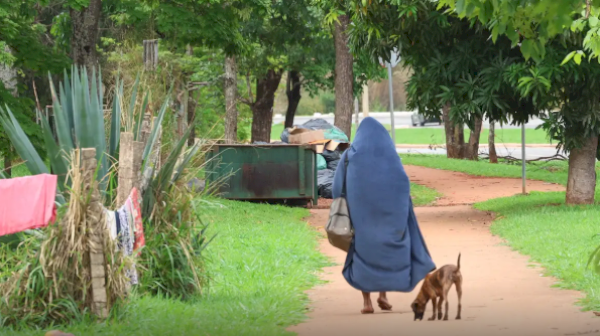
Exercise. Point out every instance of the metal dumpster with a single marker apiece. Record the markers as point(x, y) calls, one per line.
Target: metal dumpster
point(264, 172)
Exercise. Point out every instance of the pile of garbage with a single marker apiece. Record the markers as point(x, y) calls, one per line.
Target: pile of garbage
point(330, 140)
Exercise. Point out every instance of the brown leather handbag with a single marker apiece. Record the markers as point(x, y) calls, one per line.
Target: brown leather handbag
point(339, 228)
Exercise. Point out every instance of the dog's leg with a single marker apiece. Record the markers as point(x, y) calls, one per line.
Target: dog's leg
point(445, 297)
point(458, 285)
point(439, 310)
point(433, 301)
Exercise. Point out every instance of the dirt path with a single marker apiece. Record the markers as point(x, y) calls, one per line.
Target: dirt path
point(503, 293)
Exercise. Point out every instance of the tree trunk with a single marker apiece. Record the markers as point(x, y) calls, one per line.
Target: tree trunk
point(581, 183)
point(292, 91)
point(455, 136)
point(492, 143)
point(262, 109)
point(191, 118)
point(191, 107)
point(85, 35)
point(230, 89)
point(472, 148)
point(344, 77)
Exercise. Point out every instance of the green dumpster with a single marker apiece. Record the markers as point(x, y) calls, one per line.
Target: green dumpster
point(264, 172)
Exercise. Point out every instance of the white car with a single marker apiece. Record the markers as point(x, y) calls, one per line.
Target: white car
point(419, 119)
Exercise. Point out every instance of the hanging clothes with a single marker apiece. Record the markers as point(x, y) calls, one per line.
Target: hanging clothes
point(27, 203)
point(140, 240)
point(126, 239)
point(111, 223)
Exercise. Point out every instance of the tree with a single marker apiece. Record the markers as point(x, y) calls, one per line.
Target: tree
point(344, 76)
point(541, 28)
point(85, 19)
point(457, 71)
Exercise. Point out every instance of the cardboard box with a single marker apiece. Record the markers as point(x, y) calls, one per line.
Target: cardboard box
point(330, 145)
point(300, 136)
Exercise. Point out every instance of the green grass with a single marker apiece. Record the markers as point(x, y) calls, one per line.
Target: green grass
point(557, 236)
point(422, 195)
point(555, 171)
point(18, 170)
point(261, 262)
point(436, 136)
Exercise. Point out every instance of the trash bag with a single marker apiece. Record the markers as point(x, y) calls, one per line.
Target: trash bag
point(333, 164)
point(317, 124)
point(336, 134)
point(325, 182)
point(321, 163)
point(331, 155)
point(285, 135)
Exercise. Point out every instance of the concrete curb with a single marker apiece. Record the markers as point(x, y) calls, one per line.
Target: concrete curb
point(498, 145)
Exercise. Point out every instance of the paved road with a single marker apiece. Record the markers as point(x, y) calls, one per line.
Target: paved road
point(402, 119)
point(530, 153)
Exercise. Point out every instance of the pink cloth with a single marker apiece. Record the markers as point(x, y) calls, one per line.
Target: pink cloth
point(27, 203)
point(140, 240)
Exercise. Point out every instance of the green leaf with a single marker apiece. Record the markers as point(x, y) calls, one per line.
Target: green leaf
point(155, 131)
point(460, 6)
point(527, 49)
point(593, 21)
point(568, 58)
point(21, 142)
point(115, 123)
point(577, 58)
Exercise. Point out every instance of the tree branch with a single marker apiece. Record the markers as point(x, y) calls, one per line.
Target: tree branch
point(588, 8)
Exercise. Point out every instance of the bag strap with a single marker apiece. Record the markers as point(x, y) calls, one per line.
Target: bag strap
point(345, 176)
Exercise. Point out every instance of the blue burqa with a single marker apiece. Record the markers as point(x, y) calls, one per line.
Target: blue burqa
point(388, 252)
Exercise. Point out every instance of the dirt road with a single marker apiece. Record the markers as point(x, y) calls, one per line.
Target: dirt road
point(503, 293)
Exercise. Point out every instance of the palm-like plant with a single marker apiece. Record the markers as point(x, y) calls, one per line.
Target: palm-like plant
point(79, 122)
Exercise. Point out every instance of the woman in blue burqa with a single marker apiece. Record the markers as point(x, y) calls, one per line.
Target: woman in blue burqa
point(388, 252)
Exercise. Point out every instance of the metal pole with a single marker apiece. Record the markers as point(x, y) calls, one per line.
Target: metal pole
point(393, 130)
point(523, 160)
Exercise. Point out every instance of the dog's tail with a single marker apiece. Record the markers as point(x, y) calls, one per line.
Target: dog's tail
point(458, 263)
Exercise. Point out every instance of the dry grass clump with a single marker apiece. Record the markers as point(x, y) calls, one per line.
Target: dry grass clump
point(50, 280)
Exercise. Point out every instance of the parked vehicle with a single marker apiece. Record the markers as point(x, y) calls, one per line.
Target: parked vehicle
point(419, 119)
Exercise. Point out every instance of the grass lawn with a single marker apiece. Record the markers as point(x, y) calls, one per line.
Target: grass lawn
point(261, 262)
point(421, 195)
point(557, 236)
point(436, 136)
point(555, 171)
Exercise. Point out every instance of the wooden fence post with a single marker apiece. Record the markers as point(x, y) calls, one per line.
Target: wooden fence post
point(95, 211)
point(126, 171)
point(130, 166)
point(150, 54)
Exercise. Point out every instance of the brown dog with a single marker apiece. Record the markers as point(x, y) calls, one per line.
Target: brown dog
point(437, 285)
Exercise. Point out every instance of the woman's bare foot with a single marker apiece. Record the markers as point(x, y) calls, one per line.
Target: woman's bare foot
point(368, 305)
point(384, 304)
point(367, 310)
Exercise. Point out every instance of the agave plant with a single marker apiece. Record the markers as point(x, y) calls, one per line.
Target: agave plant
point(79, 123)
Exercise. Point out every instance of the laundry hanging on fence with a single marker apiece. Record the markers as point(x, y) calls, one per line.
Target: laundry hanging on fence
point(27, 203)
point(125, 239)
point(134, 202)
point(127, 227)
